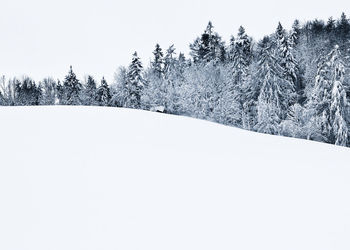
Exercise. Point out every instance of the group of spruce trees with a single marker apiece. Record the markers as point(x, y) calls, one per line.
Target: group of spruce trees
point(294, 83)
point(49, 92)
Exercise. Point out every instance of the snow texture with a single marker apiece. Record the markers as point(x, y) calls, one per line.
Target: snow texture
point(65, 183)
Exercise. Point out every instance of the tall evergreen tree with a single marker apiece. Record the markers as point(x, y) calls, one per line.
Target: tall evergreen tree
point(273, 99)
point(169, 60)
point(319, 101)
point(330, 30)
point(343, 28)
point(242, 50)
point(71, 89)
point(59, 91)
point(90, 91)
point(241, 57)
point(286, 57)
point(208, 47)
point(158, 61)
point(339, 103)
point(295, 34)
point(339, 113)
point(330, 26)
point(103, 95)
point(135, 83)
point(182, 63)
point(328, 101)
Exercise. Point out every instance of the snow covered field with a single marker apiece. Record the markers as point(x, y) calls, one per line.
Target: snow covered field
point(106, 178)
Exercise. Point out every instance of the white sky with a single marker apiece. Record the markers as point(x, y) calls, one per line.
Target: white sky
point(42, 38)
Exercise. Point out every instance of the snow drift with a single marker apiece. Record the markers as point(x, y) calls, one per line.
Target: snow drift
point(106, 178)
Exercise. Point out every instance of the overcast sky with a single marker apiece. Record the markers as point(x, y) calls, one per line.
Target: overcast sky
point(42, 38)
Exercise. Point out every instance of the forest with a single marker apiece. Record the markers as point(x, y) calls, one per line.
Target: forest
point(294, 82)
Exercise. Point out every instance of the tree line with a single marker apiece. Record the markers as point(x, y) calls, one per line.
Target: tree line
point(292, 82)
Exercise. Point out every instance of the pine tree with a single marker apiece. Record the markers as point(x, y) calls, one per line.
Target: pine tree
point(59, 91)
point(135, 83)
point(338, 112)
point(200, 49)
point(231, 49)
point(181, 64)
point(103, 95)
point(242, 50)
point(169, 60)
point(330, 29)
point(339, 102)
point(330, 25)
point(158, 61)
point(343, 28)
point(286, 58)
point(319, 101)
point(328, 101)
point(295, 34)
point(273, 98)
point(90, 91)
point(281, 40)
point(241, 56)
point(208, 47)
point(71, 89)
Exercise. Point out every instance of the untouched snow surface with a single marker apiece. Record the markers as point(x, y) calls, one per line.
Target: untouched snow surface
point(76, 178)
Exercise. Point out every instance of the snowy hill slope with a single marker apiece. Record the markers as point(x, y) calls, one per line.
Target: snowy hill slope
point(105, 178)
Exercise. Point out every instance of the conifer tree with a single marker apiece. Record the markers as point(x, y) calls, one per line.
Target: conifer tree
point(241, 56)
point(286, 57)
point(328, 101)
point(181, 63)
point(169, 60)
point(242, 51)
point(231, 49)
point(330, 29)
point(295, 34)
point(339, 104)
point(330, 25)
point(103, 95)
point(135, 83)
point(273, 98)
point(90, 91)
point(208, 47)
point(319, 101)
point(343, 28)
point(158, 61)
point(59, 91)
point(338, 112)
point(71, 89)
